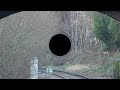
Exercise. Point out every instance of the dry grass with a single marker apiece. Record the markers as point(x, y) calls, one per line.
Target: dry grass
point(77, 67)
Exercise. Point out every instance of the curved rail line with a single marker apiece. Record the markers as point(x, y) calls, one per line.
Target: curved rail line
point(63, 74)
point(59, 76)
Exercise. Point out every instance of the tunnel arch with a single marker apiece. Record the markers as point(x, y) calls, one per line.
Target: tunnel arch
point(4, 14)
point(113, 14)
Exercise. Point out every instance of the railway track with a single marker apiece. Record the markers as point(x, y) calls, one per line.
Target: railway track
point(61, 74)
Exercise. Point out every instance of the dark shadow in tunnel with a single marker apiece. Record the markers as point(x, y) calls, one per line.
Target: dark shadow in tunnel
point(4, 14)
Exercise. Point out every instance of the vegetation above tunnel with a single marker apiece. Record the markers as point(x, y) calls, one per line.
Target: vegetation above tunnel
point(107, 30)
